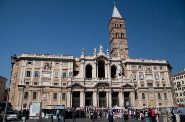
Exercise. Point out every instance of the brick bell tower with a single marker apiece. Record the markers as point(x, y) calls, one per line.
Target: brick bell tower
point(118, 39)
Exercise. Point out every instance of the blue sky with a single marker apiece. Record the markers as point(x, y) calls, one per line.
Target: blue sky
point(155, 28)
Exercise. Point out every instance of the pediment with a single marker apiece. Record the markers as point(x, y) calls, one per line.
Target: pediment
point(104, 57)
point(77, 85)
point(128, 85)
point(102, 85)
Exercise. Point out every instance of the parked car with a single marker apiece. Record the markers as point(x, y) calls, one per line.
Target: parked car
point(11, 116)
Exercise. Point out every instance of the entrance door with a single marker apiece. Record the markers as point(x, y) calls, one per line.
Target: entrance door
point(115, 100)
point(102, 99)
point(88, 99)
point(76, 99)
point(126, 99)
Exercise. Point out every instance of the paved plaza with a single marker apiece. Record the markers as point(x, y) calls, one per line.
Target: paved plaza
point(88, 120)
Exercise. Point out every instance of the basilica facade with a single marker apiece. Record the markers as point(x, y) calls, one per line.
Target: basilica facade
point(103, 79)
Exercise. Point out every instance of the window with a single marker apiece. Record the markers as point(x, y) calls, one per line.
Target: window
point(165, 96)
point(34, 95)
point(182, 82)
point(15, 75)
point(161, 68)
point(144, 104)
point(28, 73)
point(180, 94)
point(64, 84)
point(150, 84)
point(184, 93)
point(29, 62)
point(13, 85)
point(160, 104)
point(54, 96)
point(156, 77)
point(35, 83)
point(63, 96)
point(56, 74)
point(37, 74)
point(159, 96)
point(26, 95)
point(143, 95)
point(55, 84)
point(157, 85)
point(64, 74)
point(141, 77)
point(164, 85)
point(176, 94)
point(27, 83)
point(155, 68)
point(142, 85)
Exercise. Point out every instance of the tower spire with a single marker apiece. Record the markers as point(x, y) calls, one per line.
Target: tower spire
point(116, 13)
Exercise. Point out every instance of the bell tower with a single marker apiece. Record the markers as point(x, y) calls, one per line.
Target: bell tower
point(117, 32)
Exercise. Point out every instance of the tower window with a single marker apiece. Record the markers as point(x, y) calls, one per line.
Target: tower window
point(88, 71)
point(113, 71)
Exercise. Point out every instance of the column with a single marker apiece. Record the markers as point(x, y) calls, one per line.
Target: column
point(110, 100)
point(120, 99)
point(132, 98)
point(123, 102)
point(107, 98)
point(68, 97)
point(82, 99)
point(95, 98)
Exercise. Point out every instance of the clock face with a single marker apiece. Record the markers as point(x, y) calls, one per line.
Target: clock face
point(121, 46)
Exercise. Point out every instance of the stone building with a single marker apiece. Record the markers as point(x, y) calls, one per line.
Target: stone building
point(2, 87)
point(179, 87)
point(103, 79)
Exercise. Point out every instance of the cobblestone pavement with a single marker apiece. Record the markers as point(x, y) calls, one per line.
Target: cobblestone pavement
point(87, 120)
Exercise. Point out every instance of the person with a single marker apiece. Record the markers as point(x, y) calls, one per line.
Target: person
point(111, 116)
point(74, 115)
point(181, 112)
point(20, 114)
point(142, 116)
point(153, 115)
point(122, 115)
point(125, 116)
point(27, 114)
point(164, 114)
point(57, 114)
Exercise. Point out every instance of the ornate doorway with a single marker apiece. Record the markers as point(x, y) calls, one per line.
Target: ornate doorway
point(126, 99)
point(102, 99)
point(115, 99)
point(88, 99)
point(76, 99)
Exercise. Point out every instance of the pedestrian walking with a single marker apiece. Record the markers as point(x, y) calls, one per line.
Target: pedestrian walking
point(125, 116)
point(74, 115)
point(111, 116)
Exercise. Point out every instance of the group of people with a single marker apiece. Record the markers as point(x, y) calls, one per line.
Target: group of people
point(24, 113)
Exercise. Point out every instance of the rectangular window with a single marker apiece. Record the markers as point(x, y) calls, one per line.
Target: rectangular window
point(35, 83)
point(156, 77)
point(56, 74)
point(55, 84)
point(64, 64)
point(34, 95)
point(165, 96)
point(64, 74)
point(37, 74)
point(141, 77)
point(13, 85)
point(26, 95)
point(54, 96)
point(28, 73)
point(143, 95)
point(63, 96)
point(159, 96)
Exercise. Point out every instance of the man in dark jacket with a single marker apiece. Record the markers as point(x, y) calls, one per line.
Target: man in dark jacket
point(111, 116)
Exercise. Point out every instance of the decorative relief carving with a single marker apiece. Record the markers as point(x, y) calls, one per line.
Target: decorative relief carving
point(47, 66)
point(148, 70)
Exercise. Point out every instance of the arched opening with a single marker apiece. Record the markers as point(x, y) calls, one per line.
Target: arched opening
point(101, 69)
point(113, 71)
point(88, 71)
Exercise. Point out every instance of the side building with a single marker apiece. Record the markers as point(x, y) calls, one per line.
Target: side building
point(103, 79)
point(179, 87)
point(2, 87)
